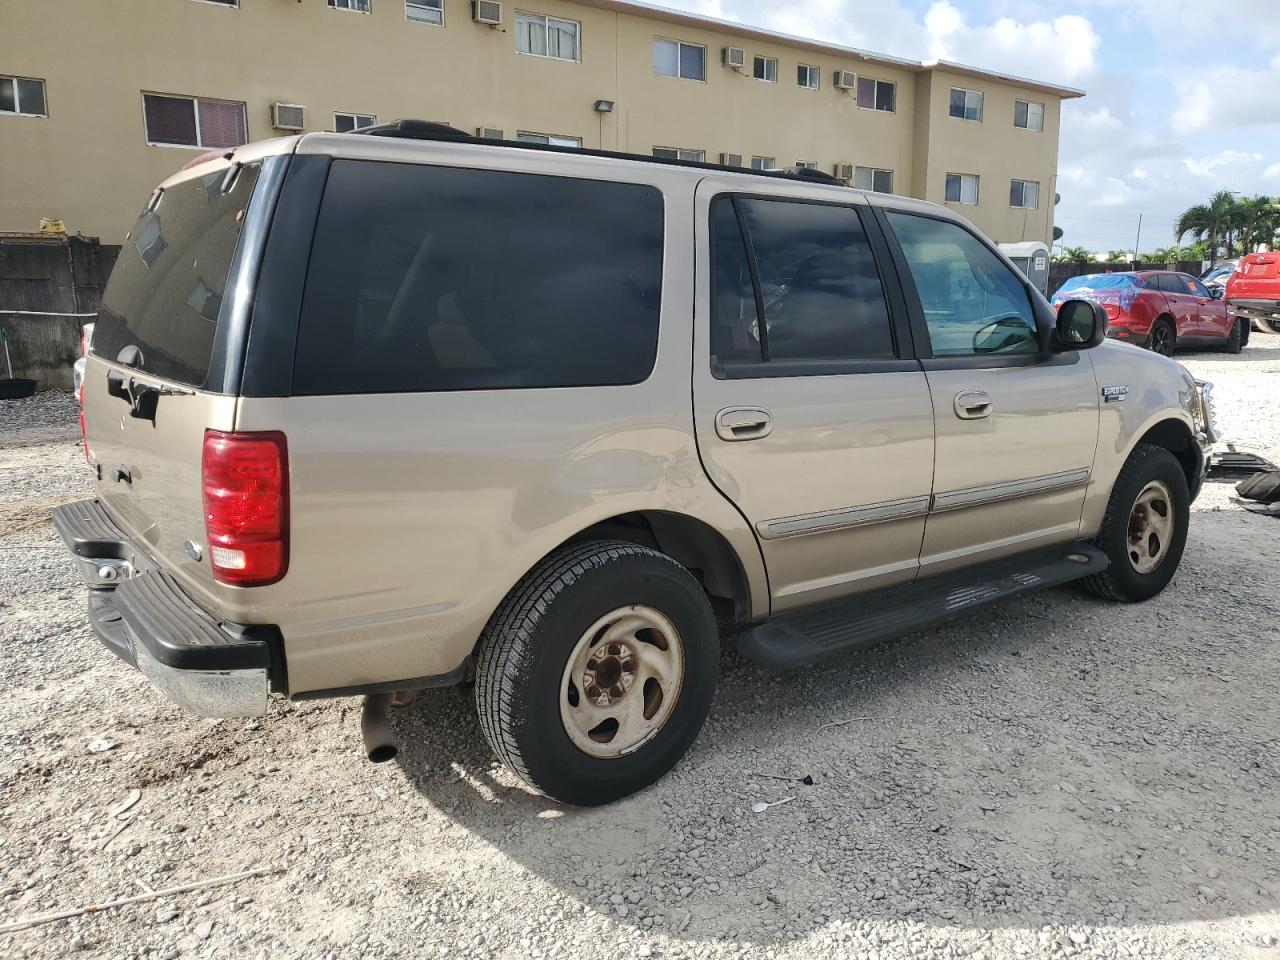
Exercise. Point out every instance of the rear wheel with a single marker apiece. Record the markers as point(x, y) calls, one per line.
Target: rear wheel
point(1144, 529)
point(1235, 339)
point(597, 671)
point(1267, 326)
point(1162, 337)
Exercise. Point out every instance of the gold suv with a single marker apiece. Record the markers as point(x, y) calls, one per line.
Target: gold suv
point(383, 411)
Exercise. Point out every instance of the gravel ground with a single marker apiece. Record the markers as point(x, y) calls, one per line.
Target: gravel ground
point(1055, 776)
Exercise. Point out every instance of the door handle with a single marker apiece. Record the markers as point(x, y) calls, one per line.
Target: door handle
point(972, 405)
point(743, 423)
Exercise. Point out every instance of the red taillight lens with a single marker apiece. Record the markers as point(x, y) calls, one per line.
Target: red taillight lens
point(246, 506)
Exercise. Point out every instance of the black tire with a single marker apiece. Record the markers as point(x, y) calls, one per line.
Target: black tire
point(1121, 581)
point(1163, 337)
point(525, 650)
point(1246, 331)
point(1235, 339)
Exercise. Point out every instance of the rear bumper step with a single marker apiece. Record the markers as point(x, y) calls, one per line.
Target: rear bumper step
point(209, 666)
point(809, 636)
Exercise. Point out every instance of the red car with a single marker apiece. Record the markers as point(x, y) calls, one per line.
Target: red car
point(1253, 292)
point(1159, 309)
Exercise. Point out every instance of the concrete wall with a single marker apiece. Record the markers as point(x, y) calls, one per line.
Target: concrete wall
point(88, 161)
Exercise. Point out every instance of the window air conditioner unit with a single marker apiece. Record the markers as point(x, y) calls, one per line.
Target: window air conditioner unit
point(288, 116)
point(486, 11)
point(846, 80)
point(488, 133)
point(734, 57)
point(731, 159)
point(844, 171)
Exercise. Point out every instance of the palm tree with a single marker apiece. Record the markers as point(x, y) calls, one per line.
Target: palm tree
point(1257, 219)
point(1165, 255)
point(1074, 255)
point(1117, 256)
point(1213, 222)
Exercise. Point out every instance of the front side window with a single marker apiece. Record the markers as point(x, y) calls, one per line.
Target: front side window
point(356, 6)
point(815, 277)
point(346, 122)
point(1024, 193)
point(973, 304)
point(165, 294)
point(966, 104)
point(962, 188)
point(424, 11)
point(680, 153)
point(765, 68)
point(807, 76)
point(1028, 115)
point(869, 178)
point(687, 61)
point(23, 96)
point(877, 94)
point(428, 278)
point(763, 163)
point(550, 139)
point(546, 36)
point(193, 121)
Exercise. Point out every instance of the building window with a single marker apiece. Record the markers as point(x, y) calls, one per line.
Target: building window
point(674, 59)
point(962, 188)
point(550, 139)
point(1024, 194)
point(22, 95)
point(223, 3)
point(765, 68)
point(546, 36)
point(356, 6)
point(807, 76)
point(346, 122)
point(680, 153)
point(966, 104)
point(869, 178)
point(1028, 115)
point(424, 11)
point(877, 94)
point(193, 122)
point(807, 164)
point(762, 163)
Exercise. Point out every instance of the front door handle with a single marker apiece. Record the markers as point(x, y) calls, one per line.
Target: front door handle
point(743, 423)
point(973, 405)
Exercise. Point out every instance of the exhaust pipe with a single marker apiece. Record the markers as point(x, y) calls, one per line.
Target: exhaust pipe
point(379, 739)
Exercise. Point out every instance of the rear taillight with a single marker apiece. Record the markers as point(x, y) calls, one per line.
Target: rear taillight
point(246, 506)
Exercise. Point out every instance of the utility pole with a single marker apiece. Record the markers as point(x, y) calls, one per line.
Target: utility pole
point(1137, 240)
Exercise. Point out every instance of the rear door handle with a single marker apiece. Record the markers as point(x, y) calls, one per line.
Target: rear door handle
point(743, 423)
point(972, 405)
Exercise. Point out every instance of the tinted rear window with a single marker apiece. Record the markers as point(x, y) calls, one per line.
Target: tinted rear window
point(440, 278)
point(166, 291)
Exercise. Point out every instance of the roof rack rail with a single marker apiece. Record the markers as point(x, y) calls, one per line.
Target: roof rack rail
point(410, 129)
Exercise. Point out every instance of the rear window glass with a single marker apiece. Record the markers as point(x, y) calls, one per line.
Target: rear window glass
point(166, 291)
point(1101, 281)
point(438, 278)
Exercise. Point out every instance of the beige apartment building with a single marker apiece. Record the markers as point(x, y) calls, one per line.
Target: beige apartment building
point(100, 101)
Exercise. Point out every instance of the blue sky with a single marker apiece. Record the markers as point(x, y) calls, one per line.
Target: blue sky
point(1183, 95)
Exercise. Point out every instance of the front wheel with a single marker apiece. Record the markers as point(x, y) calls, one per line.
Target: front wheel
point(597, 671)
point(1144, 529)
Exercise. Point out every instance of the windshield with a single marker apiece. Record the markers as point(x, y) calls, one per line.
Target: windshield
point(1093, 282)
point(166, 291)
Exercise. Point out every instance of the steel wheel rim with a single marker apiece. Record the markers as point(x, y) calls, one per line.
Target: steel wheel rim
point(1151, 527)
point(622, 681)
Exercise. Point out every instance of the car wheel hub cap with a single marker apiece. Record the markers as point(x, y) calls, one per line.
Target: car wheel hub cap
point(1150, 527)
point(622, 682)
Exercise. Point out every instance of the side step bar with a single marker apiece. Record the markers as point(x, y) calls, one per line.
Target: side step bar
point(808, 636)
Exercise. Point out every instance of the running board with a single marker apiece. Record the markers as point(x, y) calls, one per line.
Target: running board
point(808, 636)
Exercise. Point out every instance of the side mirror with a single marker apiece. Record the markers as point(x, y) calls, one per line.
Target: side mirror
point(1081, 324)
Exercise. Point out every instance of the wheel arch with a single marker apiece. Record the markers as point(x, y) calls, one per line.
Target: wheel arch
point(1175, 436)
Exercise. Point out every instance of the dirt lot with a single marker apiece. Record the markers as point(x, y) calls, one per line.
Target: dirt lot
point(1055, 776)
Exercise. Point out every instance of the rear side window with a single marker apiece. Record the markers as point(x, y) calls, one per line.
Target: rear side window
point(814, 276)
point(439, 278)
point(166, 292)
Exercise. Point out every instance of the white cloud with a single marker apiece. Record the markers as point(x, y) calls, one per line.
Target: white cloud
point(1222, 95)
point(1224, 164)
point(1061, 49)
point(1272, 172)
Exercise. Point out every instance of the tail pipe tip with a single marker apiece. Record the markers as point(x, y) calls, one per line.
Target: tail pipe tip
point(379, 739)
